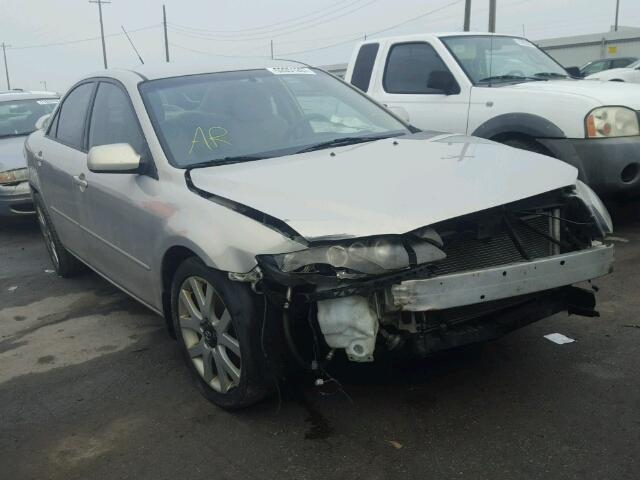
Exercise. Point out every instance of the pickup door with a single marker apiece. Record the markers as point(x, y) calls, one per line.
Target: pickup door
point(406, 75)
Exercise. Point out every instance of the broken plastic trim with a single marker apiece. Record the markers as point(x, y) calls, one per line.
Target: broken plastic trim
point(263, 218)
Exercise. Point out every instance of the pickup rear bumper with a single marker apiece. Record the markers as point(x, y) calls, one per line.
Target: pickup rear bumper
point(474, 287)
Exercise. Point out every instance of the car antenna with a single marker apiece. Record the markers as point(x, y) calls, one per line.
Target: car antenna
point(132, 45)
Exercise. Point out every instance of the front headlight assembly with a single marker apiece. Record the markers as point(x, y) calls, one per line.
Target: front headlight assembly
point(609, 122)
point(597, 209)
point(372, 256)
point(14, 176)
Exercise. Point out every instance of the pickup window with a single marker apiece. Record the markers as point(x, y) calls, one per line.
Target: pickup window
point(409, 66)
point(363, 67)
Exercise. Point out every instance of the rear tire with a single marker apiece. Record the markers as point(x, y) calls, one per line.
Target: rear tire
point(65, 264)
point(219, 326)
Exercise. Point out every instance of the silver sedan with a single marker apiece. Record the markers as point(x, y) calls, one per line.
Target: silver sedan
point(274, 213)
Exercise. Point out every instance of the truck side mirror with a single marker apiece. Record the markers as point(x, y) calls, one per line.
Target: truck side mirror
point(444, 81)
point(574, 72)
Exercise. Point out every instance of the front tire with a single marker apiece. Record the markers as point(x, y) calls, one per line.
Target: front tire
point(219, 325)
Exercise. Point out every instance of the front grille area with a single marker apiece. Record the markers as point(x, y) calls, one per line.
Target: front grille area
point(465, 251)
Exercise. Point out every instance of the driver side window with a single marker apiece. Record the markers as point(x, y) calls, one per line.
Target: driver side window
point(409, 67)
point(113, 119)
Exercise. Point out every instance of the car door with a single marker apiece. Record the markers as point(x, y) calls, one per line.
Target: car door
point(121, 209)
point(405, 83)
point(61, 163)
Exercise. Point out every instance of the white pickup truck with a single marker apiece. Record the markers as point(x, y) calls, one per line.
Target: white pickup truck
point(506, 89)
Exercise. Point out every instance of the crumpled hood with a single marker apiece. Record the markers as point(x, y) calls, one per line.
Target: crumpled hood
point(388, 186)
point(11, 155)
point(602, 93)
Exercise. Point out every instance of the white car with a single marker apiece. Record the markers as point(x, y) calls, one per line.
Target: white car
point(506, 89)
point(629, 74)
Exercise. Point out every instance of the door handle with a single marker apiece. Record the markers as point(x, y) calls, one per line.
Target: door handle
point(81, 182)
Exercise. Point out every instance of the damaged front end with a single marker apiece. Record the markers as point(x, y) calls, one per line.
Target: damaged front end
point(463, 280)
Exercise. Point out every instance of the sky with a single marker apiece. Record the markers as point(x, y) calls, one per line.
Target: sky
point(57, 42)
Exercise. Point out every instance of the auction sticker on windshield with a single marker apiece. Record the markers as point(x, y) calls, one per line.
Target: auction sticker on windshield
point(291, 71)
point(47, 102)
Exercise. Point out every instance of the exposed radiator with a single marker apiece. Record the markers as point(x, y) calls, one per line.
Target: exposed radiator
point(464, 252)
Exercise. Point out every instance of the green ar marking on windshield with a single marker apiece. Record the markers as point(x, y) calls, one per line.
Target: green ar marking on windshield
point(218, 138)
point(195, 141)
point(210, 139)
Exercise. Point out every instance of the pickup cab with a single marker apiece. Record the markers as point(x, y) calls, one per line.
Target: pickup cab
point(504, 88)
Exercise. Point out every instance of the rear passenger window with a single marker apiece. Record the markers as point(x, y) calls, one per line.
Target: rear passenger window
point(620, 63)
point(113, 119)
point(361, 76)
point(73, 113)
point(409, 66)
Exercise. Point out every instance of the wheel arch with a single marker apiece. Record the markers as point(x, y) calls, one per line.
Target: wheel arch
point(523, 124)
point(171, 260)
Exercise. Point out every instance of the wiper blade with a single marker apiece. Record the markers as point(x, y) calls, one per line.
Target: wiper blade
point(343, 141)
point(550, 74)
point(227, 161)
point(508, 77)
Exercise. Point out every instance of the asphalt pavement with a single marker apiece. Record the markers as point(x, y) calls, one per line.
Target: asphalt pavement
point(92, 387)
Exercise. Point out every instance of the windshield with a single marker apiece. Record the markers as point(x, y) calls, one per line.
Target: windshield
point(253, 114)
point(491, 59)
point(635, 64)
point(19, 117)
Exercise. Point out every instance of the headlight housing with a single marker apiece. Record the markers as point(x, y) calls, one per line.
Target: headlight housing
point(609, 122)
point(373, 256)
point(598, 211)
point(14, 176)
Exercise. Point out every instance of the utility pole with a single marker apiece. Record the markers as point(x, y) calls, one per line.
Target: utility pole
point(615, 27)
point(104, 48)
point(492, 16)
point(467, 15)
point(166, 38)
point(44, 83)
point(271, 49)
point(6, 67)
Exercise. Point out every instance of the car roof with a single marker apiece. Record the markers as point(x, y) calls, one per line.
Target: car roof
point(168, 70)
point(434, 36)
point(11, 95)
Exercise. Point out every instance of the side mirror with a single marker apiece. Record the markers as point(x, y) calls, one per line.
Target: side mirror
point(43, 121)
point(114, 158)
point(399, 112)
point(574, 72)
point(444, 81)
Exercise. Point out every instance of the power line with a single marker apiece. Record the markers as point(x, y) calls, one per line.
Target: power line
point(225, 55)
point(81, 40)
point(430, 12)
point(258, 30)
point(186, 31)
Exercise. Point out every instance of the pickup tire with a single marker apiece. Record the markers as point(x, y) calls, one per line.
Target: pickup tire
point(219, 325)
point(65, 264)
point(525, 144)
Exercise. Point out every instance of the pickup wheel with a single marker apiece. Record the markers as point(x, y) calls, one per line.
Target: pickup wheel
point(219, 325)
point(65, 264)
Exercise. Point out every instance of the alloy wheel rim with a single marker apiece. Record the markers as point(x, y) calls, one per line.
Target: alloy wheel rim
point(48, 238)
point(208, 334)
